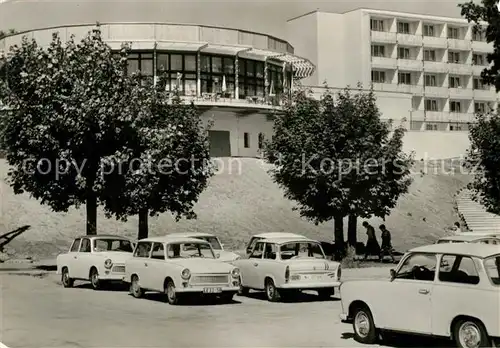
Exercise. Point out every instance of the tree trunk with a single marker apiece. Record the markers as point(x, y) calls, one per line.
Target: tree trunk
point(339, 236)
point(91, 206)
point(143, 224)
point(352, 235)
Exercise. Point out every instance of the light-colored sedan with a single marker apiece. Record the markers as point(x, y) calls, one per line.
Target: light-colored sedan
point(180, 266)
point(220, 253)
point(470, 238)
point(269, 235)
point(450, 290)
point(283, 266)
point(99, 259)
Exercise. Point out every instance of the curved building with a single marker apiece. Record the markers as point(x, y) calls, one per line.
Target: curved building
point(235, 76)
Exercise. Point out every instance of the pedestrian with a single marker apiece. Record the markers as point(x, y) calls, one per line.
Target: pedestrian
point(457, 227)
point(386, 248)
point(372, 246)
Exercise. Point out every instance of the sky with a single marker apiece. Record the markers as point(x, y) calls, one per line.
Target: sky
point(262, 16)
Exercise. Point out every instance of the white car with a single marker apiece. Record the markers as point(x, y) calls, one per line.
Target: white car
point(450, 290)
point(180, 266)
point(470, 238)
point(269, 235)
point(283, 266)
point(99, 258)
point(220, 253)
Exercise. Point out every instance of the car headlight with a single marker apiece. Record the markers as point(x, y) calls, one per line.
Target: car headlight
point(235, 273)
point(108, 263)
point(186, 274)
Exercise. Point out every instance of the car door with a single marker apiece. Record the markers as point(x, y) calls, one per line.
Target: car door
point(253, 267)
point(71, 257)
point(154, 274)
point(270, 266)
point(84, 259)
point(410, 293)
point(140, 263)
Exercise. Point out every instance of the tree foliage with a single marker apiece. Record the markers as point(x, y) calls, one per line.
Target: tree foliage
point(335, 157)
point(486, 17)
point(66, 105)
point(170, 166)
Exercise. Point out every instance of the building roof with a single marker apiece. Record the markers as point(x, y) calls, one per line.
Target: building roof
point(173, 239)
point(468, 249)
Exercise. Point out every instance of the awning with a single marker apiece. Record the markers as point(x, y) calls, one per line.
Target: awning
point(224, 49)
point(302, 67)
point(179, 46)
point(258, 54)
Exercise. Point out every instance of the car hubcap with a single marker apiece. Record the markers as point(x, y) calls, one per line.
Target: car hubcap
point(65, 278)
point(469, 335)
point(94, 280)
point(362, 324)
point(171, 292)
point(270, 290)
point(135, 286)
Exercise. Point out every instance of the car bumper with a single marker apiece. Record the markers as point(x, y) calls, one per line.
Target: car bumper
point(112, 277)
point(309, 286)
point(201, 290)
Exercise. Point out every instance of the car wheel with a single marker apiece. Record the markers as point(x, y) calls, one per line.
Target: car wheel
point(364, 326)
point(135, 287)
point(470, 333)
point(172, 296)
point(325, 294)
point(66, 281)
point(243, 290)
point(271, 291)
point(94, 279)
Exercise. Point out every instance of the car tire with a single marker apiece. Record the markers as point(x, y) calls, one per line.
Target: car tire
point(172, 297)
point(363, 326)
point(94, 279)
point(66, 281)
point(135, 288)
point(243, 290)
point(272, 293)
point(325, 294)
point(470, 329)
point(226, 298)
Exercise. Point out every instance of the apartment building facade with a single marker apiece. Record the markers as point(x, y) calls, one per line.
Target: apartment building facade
point(436, 60)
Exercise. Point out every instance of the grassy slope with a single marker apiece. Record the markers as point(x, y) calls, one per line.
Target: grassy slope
point(237, 204)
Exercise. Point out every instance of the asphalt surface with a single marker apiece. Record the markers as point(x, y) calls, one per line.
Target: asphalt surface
point(36, 311)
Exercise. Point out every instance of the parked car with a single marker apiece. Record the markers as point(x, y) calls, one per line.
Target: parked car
point(450, 290)
point(283, 266)
point(98, 259)
point(269, 235)
point(470, 238)
point(220, 253)
point(180, 266)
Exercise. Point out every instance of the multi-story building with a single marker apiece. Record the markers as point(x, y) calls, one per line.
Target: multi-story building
point(437, 61)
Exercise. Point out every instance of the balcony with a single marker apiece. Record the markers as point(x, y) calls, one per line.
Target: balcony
point(250, 103)
point(478, 69)
point(437, 92)
point(436, 116)
point(383, 37)
point(409, 39)
point(385, 87)
point(462, 45)
point(417, 115)
point(384, 63)
point(460, 117)
point(481, 46)
point(417, 90)
point(437, 67)
point(485, 94)
point(410, 64)
point(435, 42)
point(459, 68)
point(460, 93)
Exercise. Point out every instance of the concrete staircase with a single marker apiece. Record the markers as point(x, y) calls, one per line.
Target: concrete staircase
point(475, 215)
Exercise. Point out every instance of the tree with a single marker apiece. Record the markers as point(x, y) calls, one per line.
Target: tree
point(335, 158)
point(486, 19)
point(67, 112)
point(170, 166)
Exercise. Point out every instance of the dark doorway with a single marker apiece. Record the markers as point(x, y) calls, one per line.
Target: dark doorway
point(220, 143)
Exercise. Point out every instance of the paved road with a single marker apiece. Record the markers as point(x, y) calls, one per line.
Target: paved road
point(38, 312)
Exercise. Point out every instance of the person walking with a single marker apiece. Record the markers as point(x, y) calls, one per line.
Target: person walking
point(372, 246)
point(386, 248)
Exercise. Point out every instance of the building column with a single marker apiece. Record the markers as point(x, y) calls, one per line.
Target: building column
point(198, 74)
point(236, 76)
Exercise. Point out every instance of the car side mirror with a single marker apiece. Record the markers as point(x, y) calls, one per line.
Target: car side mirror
point(393, 274)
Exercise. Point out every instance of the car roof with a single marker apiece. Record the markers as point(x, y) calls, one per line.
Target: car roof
point(467, 238)
point(467, 249)
point(114, 236)
point(269, 235)
point(173, 239)
point(288, 240)
point(479, 234)
point(190, 234)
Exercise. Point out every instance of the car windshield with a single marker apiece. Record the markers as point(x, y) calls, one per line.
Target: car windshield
point(110, 244)
point(492, 267)
point(214, 242)
point(301, 250)
point(188, 250)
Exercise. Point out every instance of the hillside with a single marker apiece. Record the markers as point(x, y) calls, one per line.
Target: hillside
point(241, 200)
